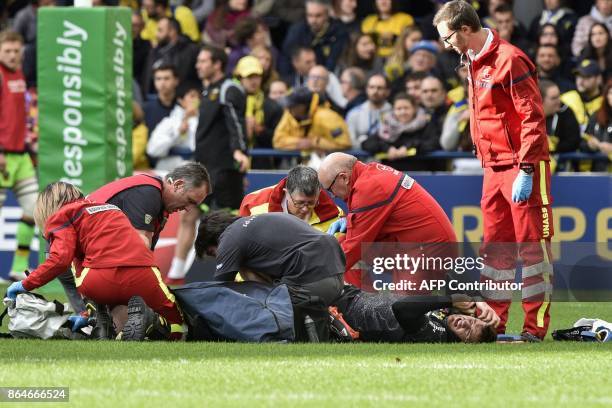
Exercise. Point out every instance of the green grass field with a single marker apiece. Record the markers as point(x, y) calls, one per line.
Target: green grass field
point(224, 374)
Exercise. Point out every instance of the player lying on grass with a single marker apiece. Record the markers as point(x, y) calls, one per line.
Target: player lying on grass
point(384, 317)
point(111, 261)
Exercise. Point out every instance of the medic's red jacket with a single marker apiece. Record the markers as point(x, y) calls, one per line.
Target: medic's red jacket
point(110, 190)
point(269, 199)
point(507, 121)
point(96, 235)
point(386, 205)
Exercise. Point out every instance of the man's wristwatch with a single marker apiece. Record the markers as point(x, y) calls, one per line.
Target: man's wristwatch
point(527, 168)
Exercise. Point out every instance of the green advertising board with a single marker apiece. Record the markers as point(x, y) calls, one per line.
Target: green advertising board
point(84, 95)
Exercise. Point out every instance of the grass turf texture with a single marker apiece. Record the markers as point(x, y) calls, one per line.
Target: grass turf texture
point(225, 374)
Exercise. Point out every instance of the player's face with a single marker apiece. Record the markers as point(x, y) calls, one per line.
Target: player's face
point(469, 329)
point(10, 54)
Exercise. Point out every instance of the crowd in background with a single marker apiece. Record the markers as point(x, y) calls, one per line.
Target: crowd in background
point(323, 76)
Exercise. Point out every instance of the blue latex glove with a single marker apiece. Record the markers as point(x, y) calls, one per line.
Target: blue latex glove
point(521, 188)
point(337, 226)
point(14, 289)
point(78, 322)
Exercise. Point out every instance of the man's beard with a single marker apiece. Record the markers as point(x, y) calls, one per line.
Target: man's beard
point(163, 42)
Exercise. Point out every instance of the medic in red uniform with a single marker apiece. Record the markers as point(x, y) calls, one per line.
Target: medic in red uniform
point(385, 205)
point(108, 194)
point(508, 128)
point(115, 263)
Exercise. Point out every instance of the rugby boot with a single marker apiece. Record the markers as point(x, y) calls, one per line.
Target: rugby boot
point(143, 323)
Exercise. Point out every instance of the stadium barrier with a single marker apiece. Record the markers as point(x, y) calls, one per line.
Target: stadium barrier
point(363, 155)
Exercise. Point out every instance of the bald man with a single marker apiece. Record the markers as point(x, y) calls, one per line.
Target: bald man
point(385, 205)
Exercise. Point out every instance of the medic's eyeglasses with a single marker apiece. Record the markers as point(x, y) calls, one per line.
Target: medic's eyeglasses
point(446, 39)
point(329, 189)
point(303, 204)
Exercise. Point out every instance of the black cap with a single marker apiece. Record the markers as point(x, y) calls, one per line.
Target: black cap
point(587, 68)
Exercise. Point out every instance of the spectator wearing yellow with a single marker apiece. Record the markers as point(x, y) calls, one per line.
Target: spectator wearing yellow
point(154, 10)
point(140, 136)
point(262, 113)
point(387, 25)
point(459, 93)
point(586, 99)
point(456, 130)
point(306, 125)
point(598, 136)
point(562, 128)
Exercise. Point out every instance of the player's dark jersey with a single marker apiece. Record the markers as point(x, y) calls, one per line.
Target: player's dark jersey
point(423, 318)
